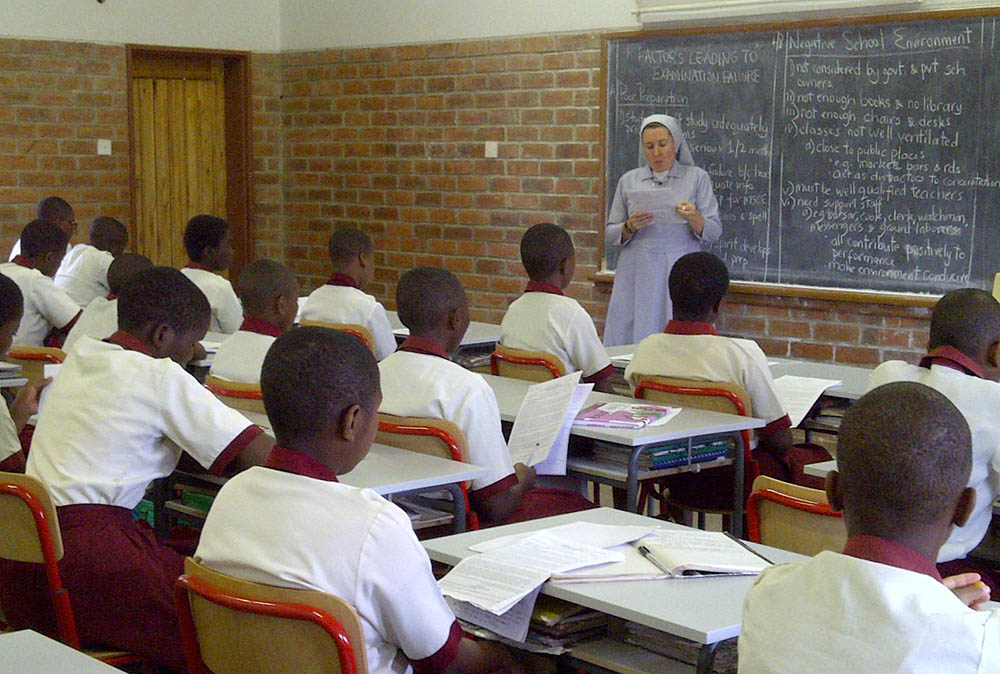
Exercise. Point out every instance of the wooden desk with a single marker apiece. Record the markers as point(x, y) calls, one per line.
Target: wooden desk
point(704, 610)
point(690, 424)
point(28, 652)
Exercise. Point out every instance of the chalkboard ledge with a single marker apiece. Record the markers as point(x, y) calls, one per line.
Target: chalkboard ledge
point(604, 279)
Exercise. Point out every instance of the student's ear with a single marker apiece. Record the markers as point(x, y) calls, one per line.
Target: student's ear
point(453, 322)
point(352, 423)
point(364, 260)
point(161, 338)
point(718, 305)
point(992, 357)
point(963, 509)
point(834, 494)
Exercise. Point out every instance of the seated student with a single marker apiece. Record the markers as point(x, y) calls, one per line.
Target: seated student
point(963, 347)
point(543, 319)
point(880, 606)
point(84, 271)
point(49, 313)
point(420, 380)
point(100, 316)
point(209, 246)
point(57, 211)
point(116, 418)
point(321, 392)
point(342, 299)
point(13, 420)
point(269, 294)
point(690, 348)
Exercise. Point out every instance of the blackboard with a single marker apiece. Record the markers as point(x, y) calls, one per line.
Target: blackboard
point(855, 156)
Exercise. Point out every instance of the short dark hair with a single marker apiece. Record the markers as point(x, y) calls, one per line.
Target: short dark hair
point(698, 281)
point(425, 295)
point(311, 375)
point(42, 236)
point(201, 232)
point(263, 280)
point(11, 300)
point(51, 209)
point(967, 319)
point(106, 232)
point(346, 243)
point(904, 453)
point(543, 247)
point(162, 295)
point(122, 269)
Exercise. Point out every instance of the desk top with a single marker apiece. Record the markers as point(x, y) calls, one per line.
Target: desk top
point(28, 652)
point(704, 610)
point(478, 334)
point(689, 423)
point(391, 470)
point(820, 469)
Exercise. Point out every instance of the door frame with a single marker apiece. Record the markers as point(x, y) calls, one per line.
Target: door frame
point(238, 141)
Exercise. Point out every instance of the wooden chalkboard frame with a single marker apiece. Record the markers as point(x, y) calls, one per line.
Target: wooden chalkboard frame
point(603, 276)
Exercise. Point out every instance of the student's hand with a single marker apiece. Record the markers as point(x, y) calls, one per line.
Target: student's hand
point(969, 589)
point(199, 352)
point(525, 476)
point(689, 212)
point(26, 402)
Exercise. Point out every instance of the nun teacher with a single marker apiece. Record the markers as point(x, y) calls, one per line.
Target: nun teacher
point(640, 302)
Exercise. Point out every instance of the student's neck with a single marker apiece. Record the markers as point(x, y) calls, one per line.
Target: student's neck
point(322, 450)
point(354, 271)
point(556, 279)
point(440, 336)
point(694, 318)
point(925, 540)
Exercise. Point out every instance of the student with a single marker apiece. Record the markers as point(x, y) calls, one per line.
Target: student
point(342, 299)
point(964, 339)
point(84, 271)
point(116, 418)
point(209, 246)
point(543, 319)
point(904, 456)
point(419, 380)
point(269, 294)
point(58, 212)
point(690, 348)
point(13, 420)
point(49, 313)
point(100, 316)
point(321, 392)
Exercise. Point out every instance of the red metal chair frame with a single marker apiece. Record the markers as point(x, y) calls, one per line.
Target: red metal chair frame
point(13, 352)
point(753, 508)
point(357, 334)
point(192, 652)
point(233, 392)
point(522, 360)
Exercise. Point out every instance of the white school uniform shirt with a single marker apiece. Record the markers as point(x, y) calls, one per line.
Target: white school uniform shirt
point(10, 443)
point(979, 402)
point(312, 533)
point(45, 306)
point(227, 313)
point(241, 355)
point(834, 614)
point(16, 250)
point(115, 419)
point(340, 301)
point(543, 319)
point(693, 350)
point(83, 273)
point(420, 384)
point(98, 320)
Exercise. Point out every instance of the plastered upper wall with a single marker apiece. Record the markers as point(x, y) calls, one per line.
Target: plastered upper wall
point(245, 25)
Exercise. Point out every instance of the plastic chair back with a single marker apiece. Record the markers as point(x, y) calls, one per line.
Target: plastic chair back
point(237, 395)
point(360, 331)
point(33, 359)
point(527, 365)
point(792, 517)
point(234, 626)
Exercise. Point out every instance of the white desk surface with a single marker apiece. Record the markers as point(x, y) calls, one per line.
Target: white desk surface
point(218, 338)
point(478, 334)
point(28, 652)
point(820, 469)
point(391, 470)
point(704, 610)
point(689, 423)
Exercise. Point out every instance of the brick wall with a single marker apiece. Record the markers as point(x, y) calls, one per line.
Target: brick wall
point(267, 139)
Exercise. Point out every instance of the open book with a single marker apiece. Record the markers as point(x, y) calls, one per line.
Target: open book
point(626, 415)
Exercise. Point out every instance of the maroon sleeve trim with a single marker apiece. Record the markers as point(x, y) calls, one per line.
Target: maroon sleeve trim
point(600, 375)
point(440, 660)
point(233, 449)
point(69, 326)
point(775, 426)
point(498, 487)
point(14, 463)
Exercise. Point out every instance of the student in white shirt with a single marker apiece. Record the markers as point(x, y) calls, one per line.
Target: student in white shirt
point(14, 419)
point(209, 246)
point(343, 299)
point(904, 457)
point(269, 294)
point(117, 417)
point(544, 319)
point(57, 211)
point(83, 273)
point(49, 313)
point(100, 317)
point(960, 363)
point(291, 523)
point(420, 380)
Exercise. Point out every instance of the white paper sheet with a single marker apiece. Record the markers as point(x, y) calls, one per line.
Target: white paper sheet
point(584, 533)
point(622, 360)
point(209, 346)
point(513, 624)
point(555, 462)
point(540, 418)
point(51, 369)
point(799, 394)
point(657, 202)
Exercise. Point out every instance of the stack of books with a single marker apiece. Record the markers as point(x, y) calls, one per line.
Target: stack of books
point(671, 454)
point(561, 624)
point(680, 649)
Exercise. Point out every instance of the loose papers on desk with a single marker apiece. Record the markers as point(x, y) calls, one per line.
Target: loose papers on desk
point(540, 435)
point(626, 415)
point(799, 394)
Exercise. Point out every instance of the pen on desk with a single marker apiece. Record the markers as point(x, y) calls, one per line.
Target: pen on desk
point(648, 554)
point(747, 547)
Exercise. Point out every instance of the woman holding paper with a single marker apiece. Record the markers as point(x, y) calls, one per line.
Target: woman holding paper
point(662, 210)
